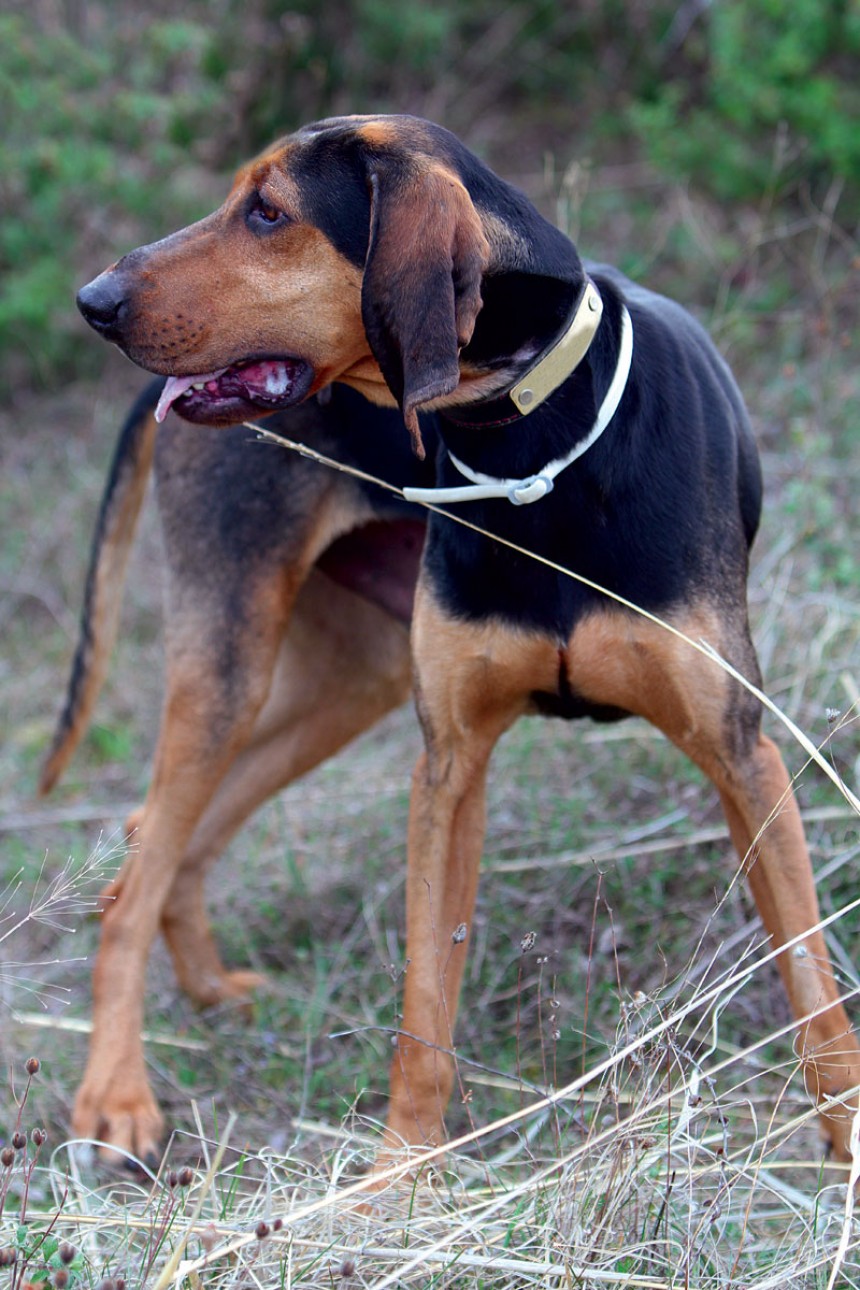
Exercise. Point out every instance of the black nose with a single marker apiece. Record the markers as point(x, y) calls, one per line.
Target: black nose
point(102, 304)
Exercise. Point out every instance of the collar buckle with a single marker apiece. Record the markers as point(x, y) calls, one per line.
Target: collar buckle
point(524, 491)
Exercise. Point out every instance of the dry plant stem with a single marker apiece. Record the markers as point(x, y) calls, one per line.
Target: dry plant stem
point(850, 1197)
point(7, 1173)
point(168, 1272)
point(592, 934)
point(540, 1024)
point(465, 1095)
point(518, 1028)
point(454, 1054)
point(21, 1144)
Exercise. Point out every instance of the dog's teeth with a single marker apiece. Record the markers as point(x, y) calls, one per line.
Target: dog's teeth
point(176, 386)
point(277, 380)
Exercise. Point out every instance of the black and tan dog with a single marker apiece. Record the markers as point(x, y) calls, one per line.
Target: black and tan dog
point(596, 426)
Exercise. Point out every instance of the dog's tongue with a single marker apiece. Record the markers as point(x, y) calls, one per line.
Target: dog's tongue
point(267, 381)
point(175, 387)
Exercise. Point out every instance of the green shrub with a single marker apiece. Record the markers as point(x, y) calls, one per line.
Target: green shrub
point(765, 98)
point(86, 156)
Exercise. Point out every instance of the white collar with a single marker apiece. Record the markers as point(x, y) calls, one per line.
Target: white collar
point(531, 489)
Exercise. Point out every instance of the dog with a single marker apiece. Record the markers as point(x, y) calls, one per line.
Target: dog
point(289, 597)
point(581, 418)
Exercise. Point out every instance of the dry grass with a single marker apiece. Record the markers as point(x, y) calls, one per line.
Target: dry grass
point(670, 1163)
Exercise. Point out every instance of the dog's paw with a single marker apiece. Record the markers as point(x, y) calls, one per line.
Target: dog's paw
point(212, 989)
point(122, 1121)
point(242, 983)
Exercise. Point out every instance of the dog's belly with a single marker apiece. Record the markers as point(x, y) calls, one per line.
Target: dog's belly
point(380, 562)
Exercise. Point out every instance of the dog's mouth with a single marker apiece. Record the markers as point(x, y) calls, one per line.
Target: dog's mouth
point(230, 394)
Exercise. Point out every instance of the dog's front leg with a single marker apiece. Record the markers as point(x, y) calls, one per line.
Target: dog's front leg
point(467, 694)
point(446, 832)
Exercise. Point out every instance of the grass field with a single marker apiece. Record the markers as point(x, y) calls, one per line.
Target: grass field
point(684, 1151)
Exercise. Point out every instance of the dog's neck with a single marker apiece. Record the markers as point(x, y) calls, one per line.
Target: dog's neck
point(521, 314)
point(498, 444)
point(533, 372)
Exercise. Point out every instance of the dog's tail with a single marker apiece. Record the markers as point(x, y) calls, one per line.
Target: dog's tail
point(117, 521)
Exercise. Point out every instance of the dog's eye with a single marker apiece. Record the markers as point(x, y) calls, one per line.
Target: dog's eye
point(263, 212)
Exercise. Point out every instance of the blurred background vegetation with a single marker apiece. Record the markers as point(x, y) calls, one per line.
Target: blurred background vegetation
point(116, 116)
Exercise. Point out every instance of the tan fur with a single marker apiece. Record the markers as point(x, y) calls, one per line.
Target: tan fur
point(221, 294)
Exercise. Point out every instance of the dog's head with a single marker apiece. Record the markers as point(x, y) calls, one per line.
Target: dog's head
point(359, 249)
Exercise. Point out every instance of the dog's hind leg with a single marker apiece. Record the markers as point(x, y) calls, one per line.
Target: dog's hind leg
point(767, 831)
point(642, 668)
point(343, 664)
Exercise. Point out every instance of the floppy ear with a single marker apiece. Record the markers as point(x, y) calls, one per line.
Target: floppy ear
point(422, 282)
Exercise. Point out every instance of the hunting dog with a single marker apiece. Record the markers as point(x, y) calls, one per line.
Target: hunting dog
point(582, 419)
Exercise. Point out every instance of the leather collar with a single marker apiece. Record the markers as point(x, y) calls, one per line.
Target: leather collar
point(545, 375)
